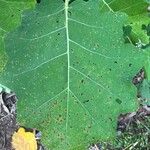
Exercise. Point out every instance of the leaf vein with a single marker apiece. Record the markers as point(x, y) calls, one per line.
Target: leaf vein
point(66, 6)
point(130, 6)
point(51, 98)
point(39, 37)
point(3, 29)
point(13, 2)
point(85, 24)
point(83, 106)
point(53, 14)
point(91, 79)
point(89, 50)
point(108, 5)
point(40, 64)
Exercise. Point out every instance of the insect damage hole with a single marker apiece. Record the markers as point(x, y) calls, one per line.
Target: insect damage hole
point(38, 1)
point(118, 101)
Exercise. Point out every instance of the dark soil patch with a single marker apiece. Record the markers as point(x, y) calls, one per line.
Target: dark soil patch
point(7, 119)
point(8, 123)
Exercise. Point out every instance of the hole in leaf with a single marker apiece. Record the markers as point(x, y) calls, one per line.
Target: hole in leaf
point(118, 101)
point(82, 81)
point(38, 1)
point(69, 13)
point(70, 1)
point(86, 101)
point(130, 65)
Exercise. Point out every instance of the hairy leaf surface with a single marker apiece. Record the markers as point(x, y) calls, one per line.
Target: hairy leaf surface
point(72, 71)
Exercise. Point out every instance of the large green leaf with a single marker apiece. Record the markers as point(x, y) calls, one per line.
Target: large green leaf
point(10, 17)
point(138, 15)
point(72, 72)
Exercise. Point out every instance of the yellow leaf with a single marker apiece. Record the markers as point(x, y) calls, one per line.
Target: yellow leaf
point(22, 140)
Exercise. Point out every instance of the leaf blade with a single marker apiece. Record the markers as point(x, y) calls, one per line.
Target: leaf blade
point(92, 87)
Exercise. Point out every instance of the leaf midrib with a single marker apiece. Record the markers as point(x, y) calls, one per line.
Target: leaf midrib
point(68, 58)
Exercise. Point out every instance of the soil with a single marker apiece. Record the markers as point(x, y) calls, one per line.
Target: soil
point(125, 120)
point(8, 123)
point(7, 119)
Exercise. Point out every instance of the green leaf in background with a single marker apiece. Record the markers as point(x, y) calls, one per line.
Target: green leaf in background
point(72, 72)
point(137, 11)
point(130, 7)
point(144, 92)
point(10, 17)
